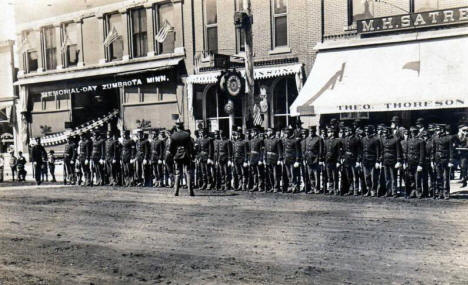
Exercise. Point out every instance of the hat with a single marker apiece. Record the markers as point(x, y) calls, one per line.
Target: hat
point(413, 129)
point(420, 121)
point(270, 129)
point(395, 119)
point(313, 128)
point(369, 127)
point(179, 124)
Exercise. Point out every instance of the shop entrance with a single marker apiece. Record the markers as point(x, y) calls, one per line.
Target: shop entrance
point(90, 106)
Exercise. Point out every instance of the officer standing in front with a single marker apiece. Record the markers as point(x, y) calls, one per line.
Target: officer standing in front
point(38, 158)
point(181, 149)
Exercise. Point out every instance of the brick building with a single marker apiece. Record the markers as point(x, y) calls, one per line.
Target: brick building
point(384, 58)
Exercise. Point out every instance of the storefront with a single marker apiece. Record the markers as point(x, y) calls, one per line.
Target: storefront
point(276, 87)
point(414, 73)
point(121, 99)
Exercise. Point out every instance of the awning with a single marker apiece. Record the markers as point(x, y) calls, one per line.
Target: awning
point(116, 68)
point(259, 73)
point(420, 75)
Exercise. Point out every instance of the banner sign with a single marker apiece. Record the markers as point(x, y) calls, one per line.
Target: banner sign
point(453, 16)
point(95, 85)
point(399, 106)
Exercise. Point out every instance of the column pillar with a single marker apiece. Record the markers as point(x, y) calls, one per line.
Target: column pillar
point(22, 114)
point(39, 48)
point(79, 39)
point(58, 44)
point(190, 119)
point(101, 38)
point(150, 29)
point(125, 32)
point(20, 53)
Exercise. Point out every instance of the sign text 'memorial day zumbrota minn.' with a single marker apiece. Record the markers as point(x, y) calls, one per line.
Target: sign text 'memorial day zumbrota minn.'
point(455, 16)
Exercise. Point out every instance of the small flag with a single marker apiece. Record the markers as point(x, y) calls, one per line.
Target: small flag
point(413, 65)
point(257, 115)
point(163, 32)
point(111, 37)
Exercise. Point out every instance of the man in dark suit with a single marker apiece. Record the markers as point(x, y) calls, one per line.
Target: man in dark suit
point(38, 157)
point(181, 148)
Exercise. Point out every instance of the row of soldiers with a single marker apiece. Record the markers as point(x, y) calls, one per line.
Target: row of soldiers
point(339, 159)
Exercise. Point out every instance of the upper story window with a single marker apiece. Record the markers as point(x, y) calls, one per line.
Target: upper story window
point(240, 33)
point(139, 35)
point(50, 49)
point(30, 56)
point(164, 28)
point(70, 48)
point(280, 23)
point(425, 5)
point(211, 26)
point(113, 43)
point(359, 9)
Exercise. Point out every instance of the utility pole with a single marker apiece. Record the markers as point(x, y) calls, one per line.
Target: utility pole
point(249, 65)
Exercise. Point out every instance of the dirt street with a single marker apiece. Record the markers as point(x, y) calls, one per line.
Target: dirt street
point(146, 236)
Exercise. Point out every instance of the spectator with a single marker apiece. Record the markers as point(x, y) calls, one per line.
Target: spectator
point(13, 165)
point(21, 163)
point(2, 162)
point(51, 163)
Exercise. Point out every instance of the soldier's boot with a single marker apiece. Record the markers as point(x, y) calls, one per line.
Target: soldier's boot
point(176, 185)
point(189, 186)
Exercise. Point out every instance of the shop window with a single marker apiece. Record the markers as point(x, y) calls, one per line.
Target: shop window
point(49, 103)
point(132, 95)
point(70, 44)
point(114, 51)
point(240, 33)
point(62, 101)
point(50, 48)
point(138, 32)
point(284, 94)
point(164, 28)
point(211, 26)
point(280, 23)
point(31, 61)
point(359, 9)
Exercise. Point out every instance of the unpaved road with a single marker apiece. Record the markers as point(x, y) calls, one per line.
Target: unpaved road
point(147, 236)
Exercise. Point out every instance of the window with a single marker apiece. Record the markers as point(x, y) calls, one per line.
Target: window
point(425, 5)
point(138, 32)
point(50, 48)
point(151, 93)
point(31, 63)
point(359, 9)
point(211, 26)
point(240, 33)
point(280, 23)
point(284, 94)
point(354, 116)
point(69, 44)
point(164, 20)
point(115, 50)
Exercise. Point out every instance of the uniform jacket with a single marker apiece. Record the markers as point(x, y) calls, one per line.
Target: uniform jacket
point(222, 150)
point(312, 149)
point(38, 154)
point(291, 150)
point(352, 150)
point(205, 148)
point(128, 147)
point(443, 149)
point(370, 149)
point(416, 151)
point(391, 150)
point(98, 149)
point(142, 150)
point(110, 149)
point(256, 147)
point(85, 149)
point(70, 151)
point(333, 148)
point(240, 149)
point(157, 150)
point(273, 150)
point(181, 146)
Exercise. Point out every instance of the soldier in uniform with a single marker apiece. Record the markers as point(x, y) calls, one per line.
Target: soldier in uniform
point(463, 151)
point(443, 159)
point(239, 159)
point(128, 148)
point(304, 133)
point(256, 147)
point(391, 158)
point(222, 155)
point(96, 159)
point(141, 157)
point(157, 154)
point(291, 149)
point(428, 170)
point(312, 152)
point(168, 161)
point(84, 155)
point(38, 158)
point(332, 155)
point(205, 159)
point(370, 154)
point(69, 156)
point(109, 157)
point(415, 158)
point(272, 157)
point(181, 149)
point(352, 151)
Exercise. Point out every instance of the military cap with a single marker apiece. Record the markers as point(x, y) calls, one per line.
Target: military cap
point(270, 129)
point(313, 128)
point(395, 119)
point(420, 121)
point(179, 124)
point(304, 130)
point(413, 129)
point(381, 126)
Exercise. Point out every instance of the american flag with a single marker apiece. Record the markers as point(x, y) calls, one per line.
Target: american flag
point(257, 115)
point(162, 34)
point(111, 37)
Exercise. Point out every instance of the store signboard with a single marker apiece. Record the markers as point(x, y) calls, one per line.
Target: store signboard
point(99, 84)
point(453, 16)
